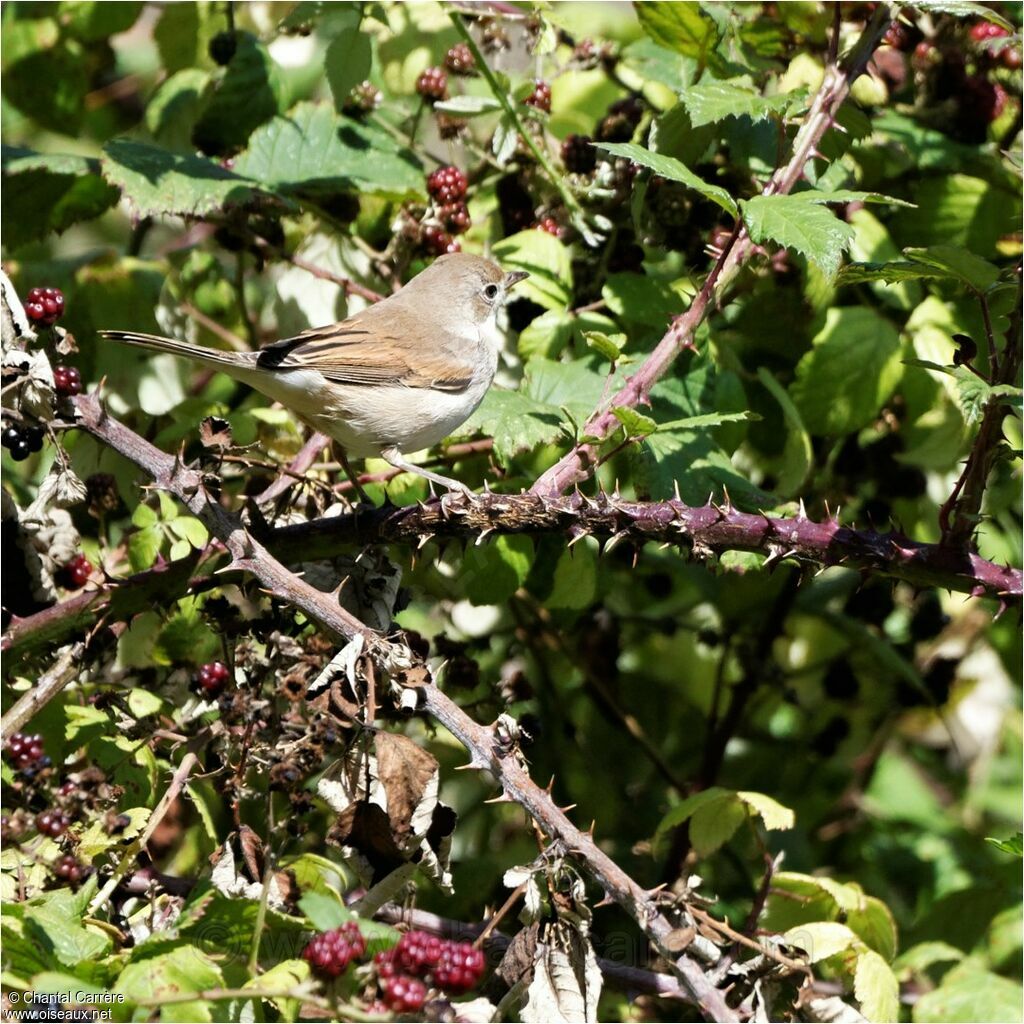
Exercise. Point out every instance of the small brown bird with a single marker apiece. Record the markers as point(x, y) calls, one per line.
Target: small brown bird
point(398, 377)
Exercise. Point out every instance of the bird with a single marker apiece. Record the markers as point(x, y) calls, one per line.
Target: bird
point(395, 378)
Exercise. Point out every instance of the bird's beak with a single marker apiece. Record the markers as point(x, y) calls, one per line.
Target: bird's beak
point(513, 277)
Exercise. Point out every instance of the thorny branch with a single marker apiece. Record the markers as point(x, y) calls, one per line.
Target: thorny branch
point(701, 531)
point(488, 751)
point(581, 461)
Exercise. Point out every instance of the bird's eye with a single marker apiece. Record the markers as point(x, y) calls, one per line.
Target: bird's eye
point(491, 292)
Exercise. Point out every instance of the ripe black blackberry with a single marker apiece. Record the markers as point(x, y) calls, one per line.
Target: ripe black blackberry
point(27, 752)
point(52, 823)
point(67, 867)
point(540, 98)
point(103, 493)
point(578, 154)
point(447, 184)
point(621, 121)
point(44, 306)
point(330, 953)
point(222, 48)
point(67, 381)
point(21, 442)
point(460, 61)
point(432, 85)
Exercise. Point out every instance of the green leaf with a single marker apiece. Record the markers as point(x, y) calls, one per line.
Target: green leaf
point(872, 920)
point(821, 939)
point(957, 263)
point(192, 530)
point(680, 27)
point(143, 547)
point(493, 571)
point(660, 64)
point(1014, 846)
point(716, 813)
point(890, 272)
point(851, 370)
point(708, 419)
point(607, 346)
point(59, 929)
point(516, 422)
point(182, 970)
point(848, 195)
point(142, 703)
point(639, 299)
point(468, 106)
point(547, 261)
point(713, 101)
point(918, 958)
point(314, 151)
point(347, 62)
point(157, 182)
point(324, 912)
point(970, 995)
point(95, 20)
point(49, 86)
point(876, 988)
point(793, 223)
point(964, 9)
point(59, 190)
point(798, 453)
point(636, 424)
point(246, 95)
point(674, 170)
point(575, 582)
point(174, 109)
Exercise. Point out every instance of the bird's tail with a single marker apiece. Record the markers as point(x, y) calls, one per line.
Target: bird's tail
point(228, 361)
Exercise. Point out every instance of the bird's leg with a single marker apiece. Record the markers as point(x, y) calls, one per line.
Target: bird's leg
point(353, 477)
point(394, 457)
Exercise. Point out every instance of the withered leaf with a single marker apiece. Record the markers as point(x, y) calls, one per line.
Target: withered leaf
point(409, 776)
point(366, 827)
point(519, 956)
point(215, 432)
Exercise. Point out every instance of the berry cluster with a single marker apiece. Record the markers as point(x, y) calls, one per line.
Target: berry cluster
point(578, 154)
point(52, 823)
point(67, 381)
point(27, 752)
point(77, 572)
point(21, 442)
point(447, 184)
point(212, 677)
point(540, 98)
point(44, 306)
point(459, 60)
point(455, 967)
point(436, 241)
point(1008, 56)
point(403, 994)
point(330, 953)
point(67, 867)
point(550, 225)
point(432, 85)
point(363, 99)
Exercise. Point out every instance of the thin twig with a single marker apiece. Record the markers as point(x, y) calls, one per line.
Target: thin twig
point(51, 682)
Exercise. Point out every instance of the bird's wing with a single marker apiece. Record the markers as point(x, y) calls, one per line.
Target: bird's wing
point(373, 348)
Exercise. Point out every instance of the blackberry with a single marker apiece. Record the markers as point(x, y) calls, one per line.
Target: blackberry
point(21, 442)
point(67, 381)
point(840, 682)
point(44, 306)
point(432, 85)
point(27, 751)
point(447, 184)
point(550, 225)
point(621, 120)
point(455, 217)
point(417, 953)
point(585, 53)
point(212, 677)
point(540, 98)
point(515, 204)
point(363, 99)
point(52, 823)
point(436, 241)
point(103, 493)
point(460, 61)
point(222, 48)
point(493, 38)
point(330, 953)
point(77, 572)
point(68, 868)
point(459, 968)
point(404, 995)
point(578, 154)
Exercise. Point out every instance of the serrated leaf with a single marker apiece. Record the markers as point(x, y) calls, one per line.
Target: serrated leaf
point(493, 571)
point(847, 195)
point(970, 995)
point(142, 703)
point(575, 580)
point(608, 346)
point(315, 151)
point(958, 263)
point(964, 9)
point(516, 422)
point(716, 813)
point(636, 423)
point(143, 547)
point(715, 100)
point(1014, 846)
point(682, 27)
point(890, 272)
point(157, 182)
point(180, 971)
point(811, 230)
point(505, 140)
point(325, 912)
point(548, 262)
point(674, 170)
point(851, 370)
point(821, 939)
point(709, 419)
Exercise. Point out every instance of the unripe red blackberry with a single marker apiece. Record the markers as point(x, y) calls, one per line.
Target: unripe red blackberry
point(459, 967)
point(417, 953)
point(459, 60)
point(404, 995)
point(925, 55)
point(52, 823)
point(540, 98)
point(455, 217)
point(363, 99)
point(67, 381)
point(212, 677)
point(26, 751)
point(77, 572)
point(897, 36)
point(578, 154)
point(44, 306)
point(987, 30)
point(447, 184)
point(550, 225)
point(432, 85)
point(436, 241)
point(330, 953)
